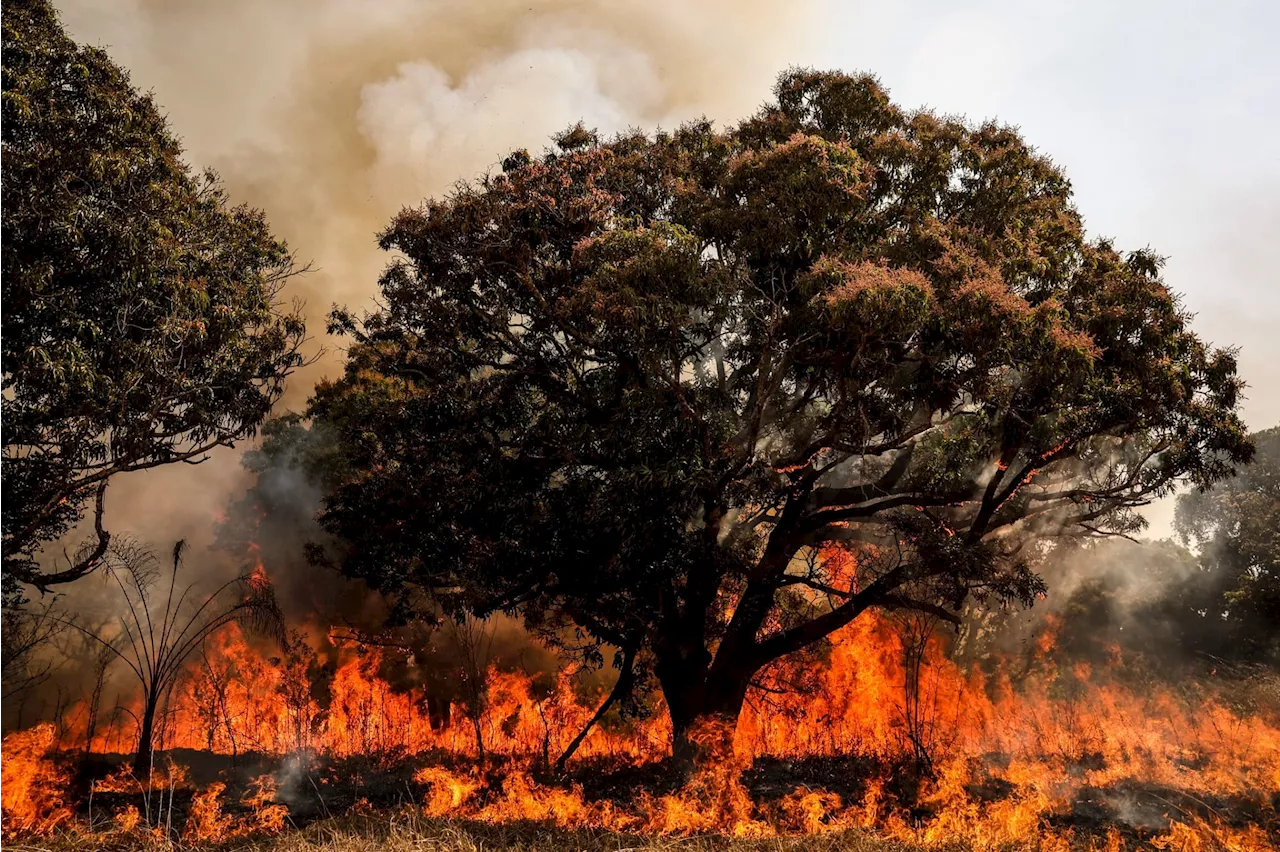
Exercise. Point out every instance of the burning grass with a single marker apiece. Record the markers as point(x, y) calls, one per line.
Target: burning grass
point(33, 788)
point(409, 831)
point(359, 803)
point(1055, 757)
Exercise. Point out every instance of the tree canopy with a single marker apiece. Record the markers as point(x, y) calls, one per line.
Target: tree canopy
point(709, 395)
point(141, 317)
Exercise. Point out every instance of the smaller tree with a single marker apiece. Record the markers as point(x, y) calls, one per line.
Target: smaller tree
point(142, 321)
point(156, 637)
point(209, 691)
point(101, 662)
point(25, 631)
point(295, 687)
point(1236, 526)
point(473, 639)
point(920, 710)
point(93, 660)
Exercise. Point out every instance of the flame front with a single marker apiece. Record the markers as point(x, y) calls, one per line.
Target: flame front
point(1043, 738)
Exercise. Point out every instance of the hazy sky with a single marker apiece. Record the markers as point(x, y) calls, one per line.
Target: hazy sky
point(1165, 115)
point(331, 114)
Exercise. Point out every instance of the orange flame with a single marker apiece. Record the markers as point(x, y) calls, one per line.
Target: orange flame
point(1056, 731)
point(31, 785)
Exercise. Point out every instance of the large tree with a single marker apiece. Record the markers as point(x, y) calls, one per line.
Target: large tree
point(141, 318)
point(710, 395)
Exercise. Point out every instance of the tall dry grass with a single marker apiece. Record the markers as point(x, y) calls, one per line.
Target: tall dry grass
point(410, 832)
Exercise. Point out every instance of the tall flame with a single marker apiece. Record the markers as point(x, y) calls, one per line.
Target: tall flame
point(1044, 737)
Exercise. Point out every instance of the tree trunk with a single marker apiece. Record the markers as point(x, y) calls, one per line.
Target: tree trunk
point(95, 702)
point(142, 760)
point(476, 727)
point(704, 707)
point(439, 704)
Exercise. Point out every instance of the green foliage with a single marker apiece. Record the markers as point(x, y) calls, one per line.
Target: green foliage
point(141, 324)
point(640, 385)
point(1236, 525)
point(292, 465)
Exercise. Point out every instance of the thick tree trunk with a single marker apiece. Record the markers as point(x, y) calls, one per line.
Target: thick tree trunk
point(704, 707)
point(705, 694)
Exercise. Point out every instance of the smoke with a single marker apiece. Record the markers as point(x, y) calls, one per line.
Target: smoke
point(1104, 594)
point(331, 115)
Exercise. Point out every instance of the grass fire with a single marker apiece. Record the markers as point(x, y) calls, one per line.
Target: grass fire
point(786, 484)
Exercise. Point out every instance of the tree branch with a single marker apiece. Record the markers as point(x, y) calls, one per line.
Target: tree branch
point(621, 689)
point(79, 567)
point(811, 631)
point(903, 602)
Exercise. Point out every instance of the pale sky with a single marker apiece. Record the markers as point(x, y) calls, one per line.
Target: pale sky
point(331, 114)
point(1165, 115)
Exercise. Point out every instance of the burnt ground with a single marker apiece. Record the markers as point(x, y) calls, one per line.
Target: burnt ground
point(335, 787)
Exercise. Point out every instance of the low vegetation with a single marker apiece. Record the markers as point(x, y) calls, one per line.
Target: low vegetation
point(407, 831)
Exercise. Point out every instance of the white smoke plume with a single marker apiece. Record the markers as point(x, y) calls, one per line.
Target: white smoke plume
point(333, 114)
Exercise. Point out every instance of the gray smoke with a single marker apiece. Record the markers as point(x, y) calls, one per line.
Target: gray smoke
point(333, 114)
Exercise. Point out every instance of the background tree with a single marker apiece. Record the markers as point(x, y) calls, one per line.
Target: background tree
point(298, 659)
point(101, 660)
point(1110, 593)
point(160, 626)
point(25, 633)
point(637, 384)
point(920, 701)
point(473, 639)
point(1234, 600)
point(141, 323)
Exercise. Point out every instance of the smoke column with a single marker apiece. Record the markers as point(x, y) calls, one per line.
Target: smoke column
point(333, 114)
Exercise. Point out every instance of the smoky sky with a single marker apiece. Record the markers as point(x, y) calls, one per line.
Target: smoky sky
point(1162, 112)
point(332, 114)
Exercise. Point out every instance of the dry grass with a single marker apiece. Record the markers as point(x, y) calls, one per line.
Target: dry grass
point(410, 832)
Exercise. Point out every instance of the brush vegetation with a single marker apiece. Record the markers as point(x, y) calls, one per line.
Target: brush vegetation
point(408, 831)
